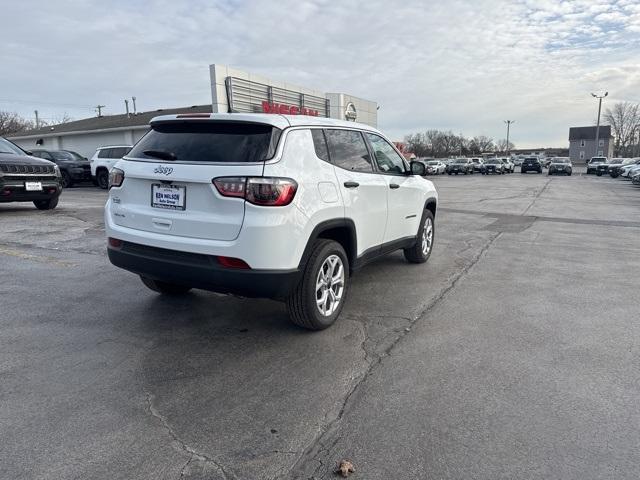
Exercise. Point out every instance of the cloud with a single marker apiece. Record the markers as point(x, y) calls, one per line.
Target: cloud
point(463, 65)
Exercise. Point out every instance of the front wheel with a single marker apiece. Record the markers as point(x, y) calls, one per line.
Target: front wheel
point(46, 204)
point(316, 302)
point(421, 251)
point(165, 288)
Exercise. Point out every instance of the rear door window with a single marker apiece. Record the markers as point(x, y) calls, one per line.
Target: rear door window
point(224, 142)
point(105, 153)
point(320, 144)
point(348, 150)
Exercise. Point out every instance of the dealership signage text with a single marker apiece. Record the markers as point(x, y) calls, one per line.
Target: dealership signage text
point(287, 109)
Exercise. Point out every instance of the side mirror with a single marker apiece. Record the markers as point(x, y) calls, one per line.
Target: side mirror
point(418, 168)
point(28, 152)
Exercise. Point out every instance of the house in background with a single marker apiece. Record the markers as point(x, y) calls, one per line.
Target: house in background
point(582, 143)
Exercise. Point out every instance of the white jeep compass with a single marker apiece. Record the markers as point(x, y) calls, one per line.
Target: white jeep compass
point(259, 205)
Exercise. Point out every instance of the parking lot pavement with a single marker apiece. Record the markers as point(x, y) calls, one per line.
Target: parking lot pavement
point(511, 354)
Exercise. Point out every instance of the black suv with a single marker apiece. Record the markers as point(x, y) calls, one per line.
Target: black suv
point(73, 166)
point(460, 165)
point(27, 179)
point(531, 164)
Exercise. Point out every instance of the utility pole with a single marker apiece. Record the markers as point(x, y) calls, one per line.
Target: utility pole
point(599, 97)
point(135, 112)
point(99, 109)
point(508, 122)
point(37, 119)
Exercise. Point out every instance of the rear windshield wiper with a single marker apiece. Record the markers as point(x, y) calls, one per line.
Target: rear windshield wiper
point(161, 154)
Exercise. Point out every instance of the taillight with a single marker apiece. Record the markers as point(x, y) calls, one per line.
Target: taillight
point(263, 191)
point(230, 186)
point(116, 177)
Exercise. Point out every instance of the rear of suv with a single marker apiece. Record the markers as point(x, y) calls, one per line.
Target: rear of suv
point(103, 160)
point(273, 206)
point(531, 164)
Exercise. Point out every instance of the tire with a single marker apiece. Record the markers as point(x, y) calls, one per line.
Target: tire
point(425, 237)
point(305, 308)
point(164, 288)
point(102, 178)
point(599, 174)
point(46, 204)
point(66, 181)
point(448, 173)
point(613, 175)
point(569, 174)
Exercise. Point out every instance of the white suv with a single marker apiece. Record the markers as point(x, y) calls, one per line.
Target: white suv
point(103, 160)
point(260, 205)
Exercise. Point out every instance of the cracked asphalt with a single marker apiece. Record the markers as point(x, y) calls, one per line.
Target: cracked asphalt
point(513, 353)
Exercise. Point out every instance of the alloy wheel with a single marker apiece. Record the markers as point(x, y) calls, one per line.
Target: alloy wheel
point(427, 237)
point(330, 285)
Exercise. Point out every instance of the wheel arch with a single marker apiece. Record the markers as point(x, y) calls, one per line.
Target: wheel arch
point(341, 230)
point(431, 204)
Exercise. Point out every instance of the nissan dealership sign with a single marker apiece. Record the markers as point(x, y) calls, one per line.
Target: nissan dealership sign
point(246, 96)
point(238, 91)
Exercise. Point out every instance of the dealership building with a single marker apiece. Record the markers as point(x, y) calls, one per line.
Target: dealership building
point(232, 91)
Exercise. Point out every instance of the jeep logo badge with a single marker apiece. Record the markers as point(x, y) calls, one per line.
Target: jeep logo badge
point(163, 170)
point(350, 112)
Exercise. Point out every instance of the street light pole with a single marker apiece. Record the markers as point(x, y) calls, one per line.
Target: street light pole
point(508, 122)
point(599, 97)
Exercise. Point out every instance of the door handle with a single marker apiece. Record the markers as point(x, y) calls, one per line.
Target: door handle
point(351, 184)
point(393, 186)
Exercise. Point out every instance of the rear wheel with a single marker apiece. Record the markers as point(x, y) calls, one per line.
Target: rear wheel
point(316, 302)
point(421, 251)
point(165, 288)
point(46, 204)
point(102, 178)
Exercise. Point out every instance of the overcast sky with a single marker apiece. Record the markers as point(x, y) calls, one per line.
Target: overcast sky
point(455, 64)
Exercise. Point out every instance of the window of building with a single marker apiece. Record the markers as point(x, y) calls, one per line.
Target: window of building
point(348, 150)
point(387, 159)
point(601, 143)
point(582, 154)
point(600, 153)
point(582, 143)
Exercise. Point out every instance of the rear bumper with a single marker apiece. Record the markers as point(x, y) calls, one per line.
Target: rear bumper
point(202, 271)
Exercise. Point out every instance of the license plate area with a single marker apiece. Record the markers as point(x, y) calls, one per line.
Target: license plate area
point(33, 186)
point(168, 197)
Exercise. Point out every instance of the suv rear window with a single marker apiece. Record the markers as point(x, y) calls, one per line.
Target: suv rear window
point(227, 142)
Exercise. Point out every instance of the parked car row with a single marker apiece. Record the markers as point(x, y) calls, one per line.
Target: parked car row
point(468, 166)
point(75, 168)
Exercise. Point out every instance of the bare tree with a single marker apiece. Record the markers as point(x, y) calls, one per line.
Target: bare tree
point(11, 123)
point(481, 144)
point(417, 144)
point(624, 119)
point(501, 146)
